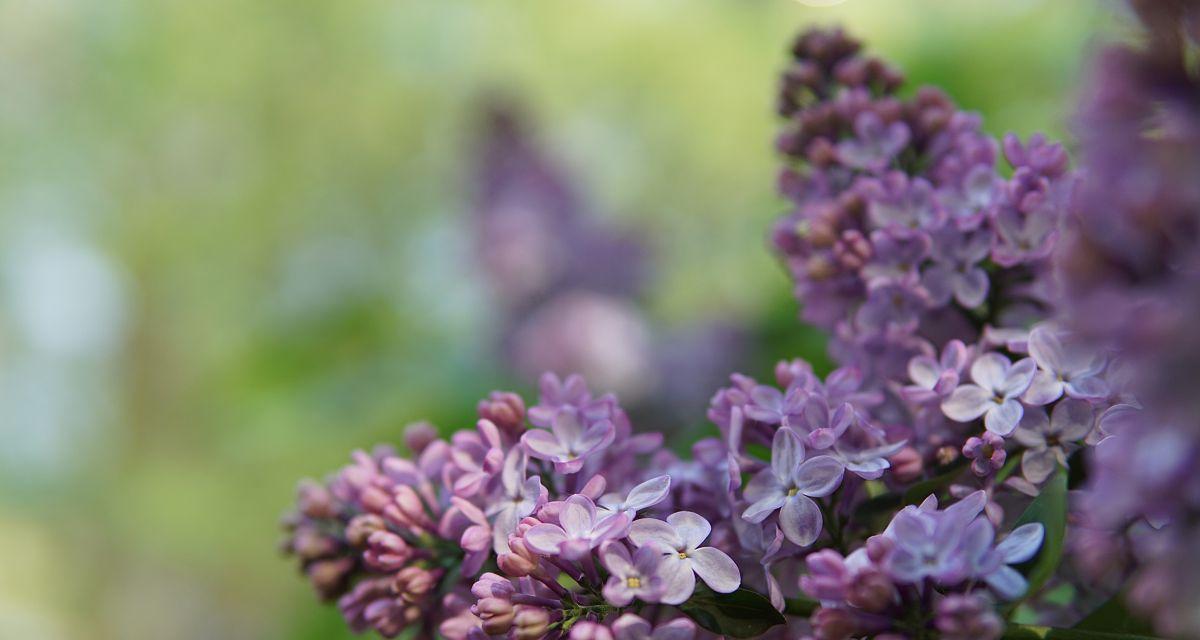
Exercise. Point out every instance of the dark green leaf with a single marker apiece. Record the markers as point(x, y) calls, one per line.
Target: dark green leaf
point(741, 614)
point(1050, 509)
point(1022, 632)
point(1113, 617)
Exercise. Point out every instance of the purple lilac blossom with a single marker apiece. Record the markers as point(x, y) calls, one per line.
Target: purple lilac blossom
point(998, 385)
point(789, 485)
point(678, 541)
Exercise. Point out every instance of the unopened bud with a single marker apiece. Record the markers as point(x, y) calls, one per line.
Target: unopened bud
point(361, 527)
point(907, 464)
point(506, 410)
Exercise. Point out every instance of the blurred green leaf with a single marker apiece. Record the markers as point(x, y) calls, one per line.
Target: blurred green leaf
point(1050, 509)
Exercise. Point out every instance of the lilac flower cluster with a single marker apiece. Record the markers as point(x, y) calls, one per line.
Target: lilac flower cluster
point(875, 501)
point(903, 233)
point(946, 559)
point(1131, 274)
point(556, 493)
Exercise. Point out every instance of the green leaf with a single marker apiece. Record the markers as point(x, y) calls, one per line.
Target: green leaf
point(1113, 617)
point(741, 614)
point(1022, 632)
point(1050, 509)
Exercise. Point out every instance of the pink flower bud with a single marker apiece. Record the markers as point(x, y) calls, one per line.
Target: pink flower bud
point(530, 622)
point(907, 464)
point(506, 410)
point(419, 435)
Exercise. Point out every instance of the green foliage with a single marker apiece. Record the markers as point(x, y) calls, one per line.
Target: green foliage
point(741, 614)
point(1050, 509)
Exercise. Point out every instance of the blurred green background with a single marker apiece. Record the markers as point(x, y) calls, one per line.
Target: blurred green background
point(232, 245)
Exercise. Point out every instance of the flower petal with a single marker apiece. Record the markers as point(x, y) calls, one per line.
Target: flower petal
point(677, 629)
point(648, 493)
point(1046, 348)
point(691, 528)
point(1043, 389)
point(679, 582)
point(990, 370)
point(818, 477)
point(542, 445)
point(768, 504)
point(1022, 543)
point(1072, 420)
point(967, 403)
point(1037, 465)
point(1007, 583)
point(786, 453)
point(615, 557)
point(1002, 419)
point(649, 530)
point(800, 520)
point(716, 569)
point(544, 538)
point(631, 627)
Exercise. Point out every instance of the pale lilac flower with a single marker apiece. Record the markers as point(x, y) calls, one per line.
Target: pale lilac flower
point(568, 442)
point(518, 497)
point(678, 540)
point(991, 564)
point(875, 143)
point(772, 406)
point(789, 485)
point(1048, 441)
point(928, 542)
point(763, 543)
point(580, 529)
point(955, 271)
point(637, 577)
point(986, 452)
point(893, 305)
point(895, 256)
point(633, 627)
point(643, 496)
point(556, 394)
point(933, 379)
point(1062, 368)
point(998, 384)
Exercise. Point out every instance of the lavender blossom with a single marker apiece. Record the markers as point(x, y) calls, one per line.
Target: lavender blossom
point(580, 530)
point(640, 576)
point(1048, 441)
point(678, 540)
point(994, 396)
point(788, 487)
point(569, 442)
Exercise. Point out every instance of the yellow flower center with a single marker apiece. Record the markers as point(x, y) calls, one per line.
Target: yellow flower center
point(633, 582)
point(793, 491)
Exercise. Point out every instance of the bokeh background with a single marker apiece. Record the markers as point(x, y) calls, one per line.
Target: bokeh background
point(236, 241)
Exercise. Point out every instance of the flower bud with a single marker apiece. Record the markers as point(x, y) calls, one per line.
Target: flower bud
point(315, 501)
point(328, 577)
point(419, 435)
point(374, 499)
point(414, 583)
point(386, 551)
point(967, 617)
point(588, 630)
point(531, 623)
point(506, 410)
point(496, 613)
point(309, 544)
point(871, 590)
point(361, 527)
point(907, 464)
point(833, 624)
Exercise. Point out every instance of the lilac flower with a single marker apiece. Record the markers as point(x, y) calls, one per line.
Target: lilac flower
point(557, 394)
point(986, 452)
point(632, 627)
point(998, 384)
point(580, 530)
point(789, 485)
point(569, 442)
point(896, 257)
point(1048, 441)
point(991, 564)
point(874, 144)
point(518, 497)
point(763, 543)
point(1062, 368)
point(955, 271)
point(637, 577)
point(678, 540)
point(933, 379)
point(772, 406)
point(643, 496)
point(901, 204)
point(928, 542)
point(893, 305)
